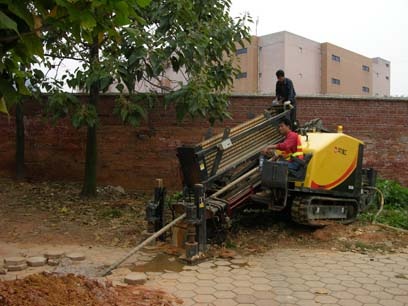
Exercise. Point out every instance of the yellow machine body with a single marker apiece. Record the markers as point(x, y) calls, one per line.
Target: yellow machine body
point(336, 157)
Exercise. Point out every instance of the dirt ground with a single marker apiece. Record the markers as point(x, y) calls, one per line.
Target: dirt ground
point(55, 213)
point(45, 215)
point(47, 289)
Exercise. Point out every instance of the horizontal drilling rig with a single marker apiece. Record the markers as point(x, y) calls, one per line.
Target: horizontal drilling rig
point(222, 175)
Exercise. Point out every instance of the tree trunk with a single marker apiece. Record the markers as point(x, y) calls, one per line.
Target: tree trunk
point(89, 186)
point(20, 173)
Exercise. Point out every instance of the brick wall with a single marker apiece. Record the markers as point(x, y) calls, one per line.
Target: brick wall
point(134, 157)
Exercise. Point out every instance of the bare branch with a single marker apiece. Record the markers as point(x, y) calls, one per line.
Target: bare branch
point(63, 57)
point(162, 87)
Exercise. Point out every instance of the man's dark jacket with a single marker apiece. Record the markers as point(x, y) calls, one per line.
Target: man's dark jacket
point(285, 91)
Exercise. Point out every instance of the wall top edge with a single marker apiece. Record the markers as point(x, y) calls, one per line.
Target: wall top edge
point(315, 96)
point(329, 97)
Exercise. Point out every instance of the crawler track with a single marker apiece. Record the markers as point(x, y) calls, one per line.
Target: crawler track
point(305, 210)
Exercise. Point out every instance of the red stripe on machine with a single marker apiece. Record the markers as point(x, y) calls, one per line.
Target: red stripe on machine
point(340, 180)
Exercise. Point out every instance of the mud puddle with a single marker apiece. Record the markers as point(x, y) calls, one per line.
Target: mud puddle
point(161, 263)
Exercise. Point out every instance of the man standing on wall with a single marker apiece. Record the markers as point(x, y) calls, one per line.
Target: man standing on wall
point(286, 92)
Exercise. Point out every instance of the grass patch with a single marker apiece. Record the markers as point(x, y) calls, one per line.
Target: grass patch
point(395, 210)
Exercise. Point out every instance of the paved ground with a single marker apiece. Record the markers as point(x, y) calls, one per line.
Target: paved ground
point(293, 277)
point(279, 277)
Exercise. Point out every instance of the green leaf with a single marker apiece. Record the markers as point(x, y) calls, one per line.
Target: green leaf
point(19, 8)
point(122, 13)
point(33, 44)
point(143, 3)
point(105, 82)
point(22, 89)
point(120, 87)
point(8, 91)
point(88, 22)
point(7, 23)
point(3, 106)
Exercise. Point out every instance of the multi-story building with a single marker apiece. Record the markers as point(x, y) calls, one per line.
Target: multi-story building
point(315, 68)
point(381, 72)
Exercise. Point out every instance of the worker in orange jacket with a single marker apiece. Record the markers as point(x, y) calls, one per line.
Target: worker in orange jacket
point(290, 147)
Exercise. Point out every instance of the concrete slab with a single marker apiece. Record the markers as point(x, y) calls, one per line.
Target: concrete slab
point(55, 254)
point(14, 261)
point(136, 278)
point(37, 261)
point(75, 256)
point(14, 268)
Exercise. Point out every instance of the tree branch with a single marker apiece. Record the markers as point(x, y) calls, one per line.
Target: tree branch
point(63, 57)
point(157, 85)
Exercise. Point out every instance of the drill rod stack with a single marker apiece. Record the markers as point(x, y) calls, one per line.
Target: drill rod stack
point(225, 157)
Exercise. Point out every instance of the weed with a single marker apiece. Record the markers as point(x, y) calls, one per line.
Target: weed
point(395, 210)
point(365, 246)
point(394, 194)
point(229, 244)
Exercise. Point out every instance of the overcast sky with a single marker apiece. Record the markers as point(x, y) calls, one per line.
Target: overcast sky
point(373, 28)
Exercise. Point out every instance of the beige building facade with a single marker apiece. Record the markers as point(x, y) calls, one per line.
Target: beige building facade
point(247, 60)
point(345, 72)
point(381, 76)
point(299, 57)
point(315, 68)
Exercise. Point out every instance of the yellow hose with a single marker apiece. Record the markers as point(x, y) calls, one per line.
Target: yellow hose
point(380, 210)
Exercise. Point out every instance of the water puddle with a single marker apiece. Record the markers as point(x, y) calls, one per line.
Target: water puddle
point(161, 263)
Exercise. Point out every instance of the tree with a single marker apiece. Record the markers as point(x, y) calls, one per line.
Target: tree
point(84, 31)
point(20, 48)
point(194, 38)
point(125, 42)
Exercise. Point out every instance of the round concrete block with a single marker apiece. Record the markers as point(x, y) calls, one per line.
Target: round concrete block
point(17, 267)
point(53, 262)
point(135, 278)
point(37, 261)
point(14, 261)
point(75, 256)
point(54, 254)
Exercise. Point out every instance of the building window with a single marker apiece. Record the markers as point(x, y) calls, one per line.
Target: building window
point(366, 68)
point(241, 75)
point(336, 58)
point(241, 51)
point(387, 65)
point(366, 89)
point(300, 50)
point(260, 75)
point(335, 81)
point(387, 77)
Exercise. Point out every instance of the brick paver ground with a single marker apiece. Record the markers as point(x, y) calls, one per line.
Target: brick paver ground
point(292, 277)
